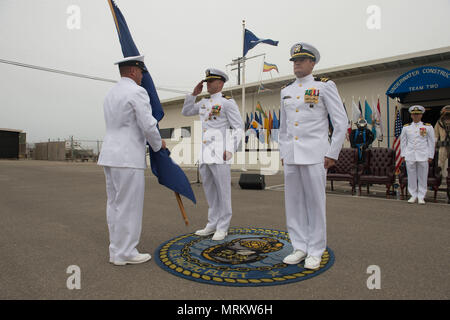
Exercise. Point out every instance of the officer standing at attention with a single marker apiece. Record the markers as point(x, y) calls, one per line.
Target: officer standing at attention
point(129, 123)
point(217, 113)
point(442, 135)
point(306, 153)
point(417, 149)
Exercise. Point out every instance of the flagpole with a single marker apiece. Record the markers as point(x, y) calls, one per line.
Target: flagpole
point(387, 114)
point(183, 212)
point(376, 117)
point(243, 89)
point(351, 121)
point(243, 68)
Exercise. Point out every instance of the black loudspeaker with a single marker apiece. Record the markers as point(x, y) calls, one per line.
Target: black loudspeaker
point(252, 181)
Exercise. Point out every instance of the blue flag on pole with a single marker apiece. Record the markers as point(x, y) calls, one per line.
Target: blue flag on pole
point(275, 127)
point(368, 115)
point(257, 118)
point(367, 112)
point(247, 123)
point(250, 41)
point(163, 167)
point(276, 123)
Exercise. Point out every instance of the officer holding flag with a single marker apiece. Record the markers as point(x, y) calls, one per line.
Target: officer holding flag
point(129, 124)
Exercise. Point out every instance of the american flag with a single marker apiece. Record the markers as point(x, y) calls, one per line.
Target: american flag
point(396, 143)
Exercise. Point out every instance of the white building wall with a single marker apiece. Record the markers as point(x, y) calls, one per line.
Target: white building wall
point(370, 85)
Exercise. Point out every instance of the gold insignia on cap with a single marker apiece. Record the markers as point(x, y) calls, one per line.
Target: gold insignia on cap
point(299, 51)
point(298, 48)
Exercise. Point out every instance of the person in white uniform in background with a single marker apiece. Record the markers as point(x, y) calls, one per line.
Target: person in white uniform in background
point(129, 124)
point(217, 113)
point(442, 135)
point(306, 153)
point(417, 144)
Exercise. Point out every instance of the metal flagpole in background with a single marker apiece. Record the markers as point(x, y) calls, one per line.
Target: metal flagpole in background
point(243, 69)
point(243, 94)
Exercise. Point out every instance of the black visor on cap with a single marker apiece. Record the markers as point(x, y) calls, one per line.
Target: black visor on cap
point(214, 77)
point(134, 63)
point(303, 54)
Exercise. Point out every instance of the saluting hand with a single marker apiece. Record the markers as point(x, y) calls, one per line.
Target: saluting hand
point(198, 89)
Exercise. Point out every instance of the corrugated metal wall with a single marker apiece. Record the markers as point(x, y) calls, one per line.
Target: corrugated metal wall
point(52, 151)
point(9, 145)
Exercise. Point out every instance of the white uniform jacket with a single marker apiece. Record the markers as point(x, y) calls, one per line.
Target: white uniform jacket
point(129, 124)
point(305, 106)
point(217, 114)
point(417, 142)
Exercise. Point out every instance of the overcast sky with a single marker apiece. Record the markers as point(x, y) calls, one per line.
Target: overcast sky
point(180, 39)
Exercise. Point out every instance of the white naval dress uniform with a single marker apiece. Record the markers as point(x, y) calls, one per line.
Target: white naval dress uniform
point(217, 114)
point(129, 124)
point(305, 105)
point(417, 146)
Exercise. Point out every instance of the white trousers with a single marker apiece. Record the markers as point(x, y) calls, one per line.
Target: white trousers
point(125, 189)
point(216, 179)
point(305, 203)
point(417, 178)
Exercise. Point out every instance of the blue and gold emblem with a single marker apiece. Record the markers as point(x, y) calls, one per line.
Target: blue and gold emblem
point(247, 257)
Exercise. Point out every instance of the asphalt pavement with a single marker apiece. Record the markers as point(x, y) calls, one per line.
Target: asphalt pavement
point(53, 217)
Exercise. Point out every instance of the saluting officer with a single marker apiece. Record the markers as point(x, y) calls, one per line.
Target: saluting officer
point(129, 123)
point(417, 149)
point(217, 113)
point(306, 153)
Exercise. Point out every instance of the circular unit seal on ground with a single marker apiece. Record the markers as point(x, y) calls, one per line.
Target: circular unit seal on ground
point(246, 257)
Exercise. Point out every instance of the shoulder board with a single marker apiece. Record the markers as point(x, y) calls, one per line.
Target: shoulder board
point(321, 79)
point(288, 84)
point(406, 124)
point(427, 124)
point(226, 97)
